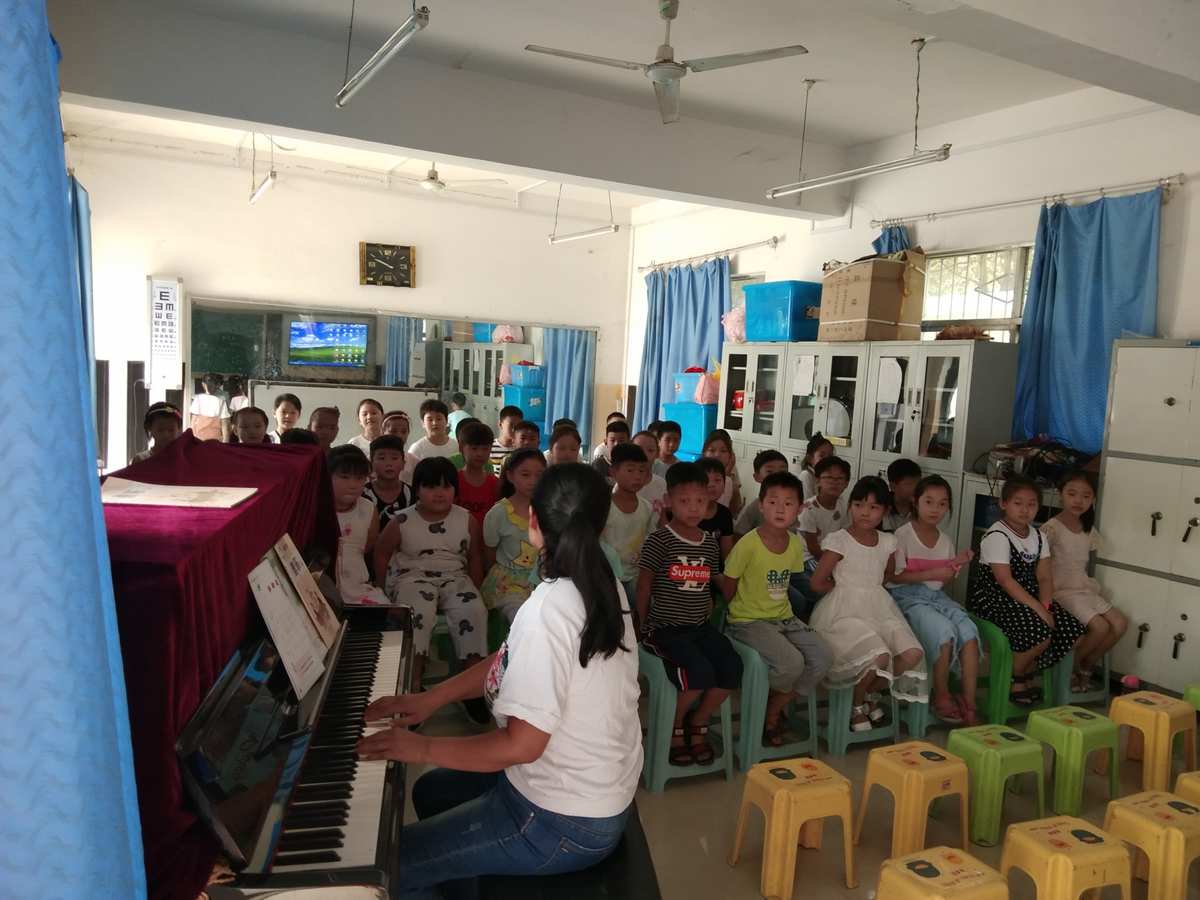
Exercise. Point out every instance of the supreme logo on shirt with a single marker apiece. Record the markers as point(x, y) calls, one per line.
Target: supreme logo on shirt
point(689, 574)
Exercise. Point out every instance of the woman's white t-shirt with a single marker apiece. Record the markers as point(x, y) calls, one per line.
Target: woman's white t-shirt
point(209, 405)
point(241, 401)
point(592, 762)
point(995, 550)
point(909, 546)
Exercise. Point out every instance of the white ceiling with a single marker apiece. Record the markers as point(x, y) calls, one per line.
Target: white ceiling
point(94, 126)
point(865, 64)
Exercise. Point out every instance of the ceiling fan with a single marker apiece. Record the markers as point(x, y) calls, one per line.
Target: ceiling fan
point(433, 182)
point(665, 71)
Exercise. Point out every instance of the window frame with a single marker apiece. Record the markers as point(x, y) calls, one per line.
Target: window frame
point(1012, 325)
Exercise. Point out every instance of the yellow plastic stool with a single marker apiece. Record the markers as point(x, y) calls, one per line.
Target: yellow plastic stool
point(1165, 832)
point(794, 796)
point(1159, 718)
point(1187, 786)
point(1065, 856)
point(939, 873)
point(916, 773)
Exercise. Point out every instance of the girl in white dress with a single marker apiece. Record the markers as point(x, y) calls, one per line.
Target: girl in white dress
point(872, 644)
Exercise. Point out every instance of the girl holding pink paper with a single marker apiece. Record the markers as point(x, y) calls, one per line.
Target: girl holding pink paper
point(925, 561)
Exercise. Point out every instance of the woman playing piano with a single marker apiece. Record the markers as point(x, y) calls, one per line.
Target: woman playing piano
point(549, 790)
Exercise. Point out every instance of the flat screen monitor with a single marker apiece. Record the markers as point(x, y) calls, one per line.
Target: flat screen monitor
point(328, 344)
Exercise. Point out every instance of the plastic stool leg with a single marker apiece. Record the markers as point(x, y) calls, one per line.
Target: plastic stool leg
point(848, 854)
point(963, 818)
point(739, 833)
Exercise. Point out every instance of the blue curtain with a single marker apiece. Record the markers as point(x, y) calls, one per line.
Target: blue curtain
point(683, 328)
point(69, 789)
point(570, 358)
point(81, 240)
point(401, 335)
point(892, 239)
point(1094, 277)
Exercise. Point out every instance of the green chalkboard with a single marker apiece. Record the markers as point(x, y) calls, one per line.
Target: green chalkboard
point(227, 342)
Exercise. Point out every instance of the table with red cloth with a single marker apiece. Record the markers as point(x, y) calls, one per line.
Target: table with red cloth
point(184, 606)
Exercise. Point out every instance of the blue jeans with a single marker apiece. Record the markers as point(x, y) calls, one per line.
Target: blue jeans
point(479, 824)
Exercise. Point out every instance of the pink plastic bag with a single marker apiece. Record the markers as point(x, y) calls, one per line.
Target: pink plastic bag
point(735, 325)
point(505, 373)
point(708, 389)
point(508, 334)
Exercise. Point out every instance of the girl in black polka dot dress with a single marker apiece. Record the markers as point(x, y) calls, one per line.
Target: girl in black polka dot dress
point(1012, 589)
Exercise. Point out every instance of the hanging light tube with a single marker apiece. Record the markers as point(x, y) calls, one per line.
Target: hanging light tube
point(265, 185)
point(389, 48)
point(810, 184)
point(580, 235)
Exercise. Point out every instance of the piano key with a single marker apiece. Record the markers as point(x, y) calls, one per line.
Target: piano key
point(310, 860)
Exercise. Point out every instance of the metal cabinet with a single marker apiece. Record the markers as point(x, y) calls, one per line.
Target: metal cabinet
point(824, 391)
point(1153, 409)
point(474, 370)
point(1143, 598)
point(752, 382)
point(939, 403)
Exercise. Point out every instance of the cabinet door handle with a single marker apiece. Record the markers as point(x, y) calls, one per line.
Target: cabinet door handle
point(918, 400)
point(909, 396)
point(1179, 639)
point(1143, 629)
point(1155, 518)
point(1193, 522)
point(1169, 401)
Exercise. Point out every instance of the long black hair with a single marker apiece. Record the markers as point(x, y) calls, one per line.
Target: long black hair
point(514, 459)
point(571, 504)
point(1088, 519)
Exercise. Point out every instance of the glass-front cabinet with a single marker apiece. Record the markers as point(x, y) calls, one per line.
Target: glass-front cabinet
point(752, 378)
point(826, 383)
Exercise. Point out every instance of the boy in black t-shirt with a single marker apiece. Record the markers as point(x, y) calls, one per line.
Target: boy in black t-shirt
point(717, 517)
point(679, 564)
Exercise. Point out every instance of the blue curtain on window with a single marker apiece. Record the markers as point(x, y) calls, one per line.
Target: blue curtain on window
point(570, 359)
point(1094, 278)
point(70, 802)
point(683, 328)
point(892, 239)
point(401, 335)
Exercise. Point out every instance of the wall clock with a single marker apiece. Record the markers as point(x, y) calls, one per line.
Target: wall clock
point(389, 265)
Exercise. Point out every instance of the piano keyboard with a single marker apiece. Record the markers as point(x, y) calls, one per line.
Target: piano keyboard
point(336, 818)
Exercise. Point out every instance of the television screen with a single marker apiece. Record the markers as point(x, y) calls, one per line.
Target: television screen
point(328, 344)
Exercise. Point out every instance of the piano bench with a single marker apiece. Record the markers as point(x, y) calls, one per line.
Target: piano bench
point(628, 873)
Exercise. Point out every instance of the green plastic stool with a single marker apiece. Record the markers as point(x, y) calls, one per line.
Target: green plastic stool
point(997, 708)
point(1064, 696)
point(1074, 733)
point(994, 754)
point(656, 766)
point(755, 687)
point(839, 737)
point(1191, 694)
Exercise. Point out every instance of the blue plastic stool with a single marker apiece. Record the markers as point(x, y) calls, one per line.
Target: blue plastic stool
point(753, 710)
point(1063, 695)
point(838, 736)
point(656, 766)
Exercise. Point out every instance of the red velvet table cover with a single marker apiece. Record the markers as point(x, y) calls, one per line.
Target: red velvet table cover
point(184, 606)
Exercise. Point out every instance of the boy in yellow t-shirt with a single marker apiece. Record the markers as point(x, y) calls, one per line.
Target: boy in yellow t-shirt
point(756, 576)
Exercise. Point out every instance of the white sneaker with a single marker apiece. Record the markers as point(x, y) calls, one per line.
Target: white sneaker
point(860, 711)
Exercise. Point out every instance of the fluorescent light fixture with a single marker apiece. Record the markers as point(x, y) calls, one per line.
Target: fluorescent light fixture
point(580, 235)
point(263, 187)
point(389, 48)
point(811, 184)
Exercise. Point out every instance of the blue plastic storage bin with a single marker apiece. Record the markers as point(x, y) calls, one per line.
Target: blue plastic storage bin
point(778, 311)
point(684, 456)
point(695, 419)
point(530, 400)
point(528, 376)
point(482, 332)
point(683, 390)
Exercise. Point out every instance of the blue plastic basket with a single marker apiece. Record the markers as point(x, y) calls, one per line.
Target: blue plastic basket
point(530, 400)
point(482, 332)
point(683, 388)
point(528, 376)
point(779, 311)
point(695, 420)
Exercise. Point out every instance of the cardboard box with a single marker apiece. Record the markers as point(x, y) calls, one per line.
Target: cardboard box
point(875, 299)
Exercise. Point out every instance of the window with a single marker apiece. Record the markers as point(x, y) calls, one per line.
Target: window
point(984, 288)
point(737, 286)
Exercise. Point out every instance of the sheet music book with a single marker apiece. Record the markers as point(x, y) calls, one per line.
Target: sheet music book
point(138, 493)
point(314, 601)
point(287, 618)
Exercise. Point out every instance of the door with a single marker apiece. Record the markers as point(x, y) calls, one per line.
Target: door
point(1143, 599)
point(767, 388)
point(1152, 409)
point(841, 385)
point(805, 377)
point(1139, 517)
point(936, 395)
point(734, 385)
point(1186, 557)
point(1180, 644)
point(891, 393)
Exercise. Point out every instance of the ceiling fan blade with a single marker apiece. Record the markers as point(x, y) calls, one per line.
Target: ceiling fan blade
point(668, 100)
point(740, 59)
point(456, 182)
point(585, 57)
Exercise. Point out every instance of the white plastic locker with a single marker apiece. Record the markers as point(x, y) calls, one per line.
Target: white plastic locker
point(1152, 410)
point(1185, 558)
point(1141, 526)
point(1179, 665)
point(1143, 599)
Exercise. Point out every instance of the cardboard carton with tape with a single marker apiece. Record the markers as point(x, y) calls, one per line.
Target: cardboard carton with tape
point(878, 298)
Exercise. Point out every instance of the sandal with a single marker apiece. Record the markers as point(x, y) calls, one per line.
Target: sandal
point(680, 754)
point(772, 734)
point(948, 710)
point(1022, 692)
point(865, 713)
point(967, 710)
point(702, 751)
point(874, 711)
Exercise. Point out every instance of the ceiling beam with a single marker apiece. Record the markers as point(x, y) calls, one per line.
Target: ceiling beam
point(157, 55)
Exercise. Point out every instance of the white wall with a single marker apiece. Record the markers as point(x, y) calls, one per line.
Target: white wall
point(299, 245)
point(1087, 139)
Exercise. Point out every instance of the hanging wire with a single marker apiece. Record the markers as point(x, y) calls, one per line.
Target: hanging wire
point(349, 37)
point(920, 45)
point(808, 86)
point(556, 203)
point(253, 158)
point(611, 220)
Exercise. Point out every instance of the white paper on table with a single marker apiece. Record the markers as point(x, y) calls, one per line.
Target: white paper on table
point(139, 493)
point(310, 595)
point(291, 629)
point(804, 370)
